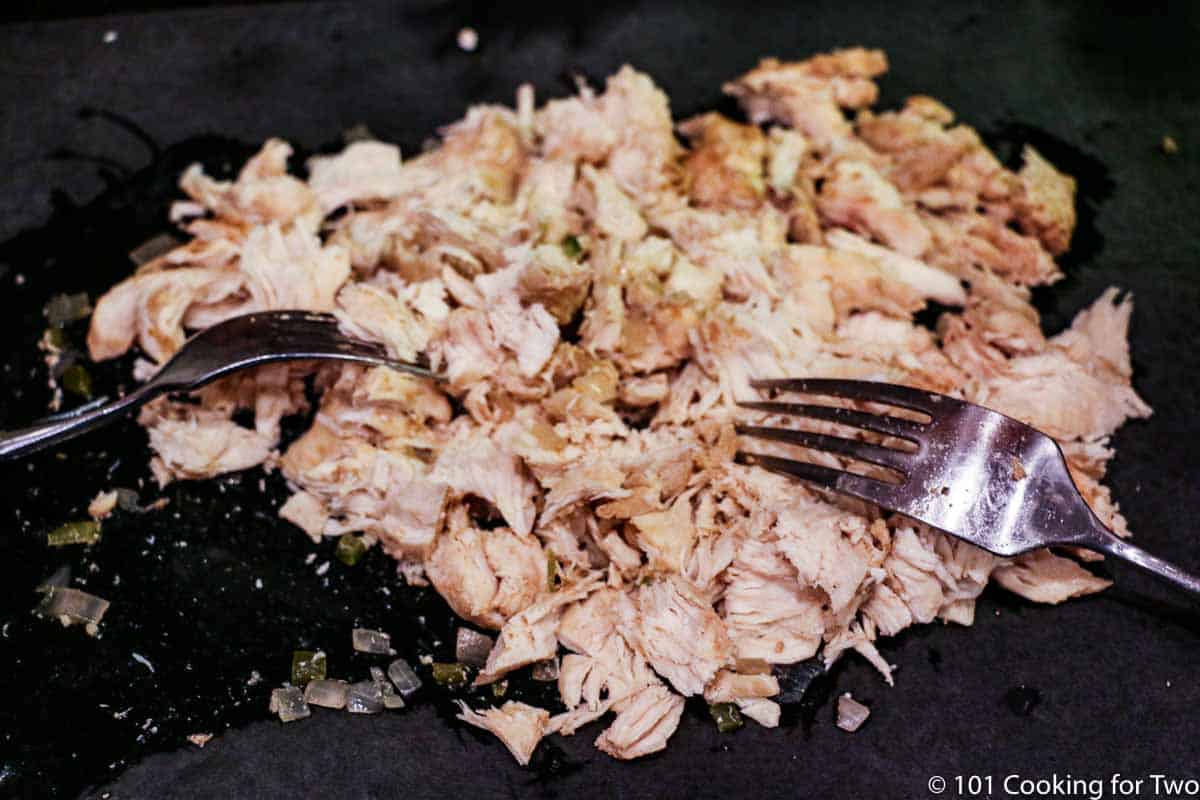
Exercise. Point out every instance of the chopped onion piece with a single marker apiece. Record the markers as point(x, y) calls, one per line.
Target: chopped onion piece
point(58, 579)
point(472, 647)
point(128, 499)
point(545, 671)
point(851, 713)
point(326, 693)
point(364, 697)
point(369, 641)
point(65, 308)
point(402, 675)
point(390, 698)
point(152, 248)
point(289, 704)
point(72, 606)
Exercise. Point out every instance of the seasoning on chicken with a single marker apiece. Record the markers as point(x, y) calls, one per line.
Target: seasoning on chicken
point(598, 297)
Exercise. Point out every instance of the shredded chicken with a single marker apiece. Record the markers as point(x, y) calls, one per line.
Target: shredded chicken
point(598, 297)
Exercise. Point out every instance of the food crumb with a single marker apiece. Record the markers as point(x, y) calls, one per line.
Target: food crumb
point(1018, 469)
point(255, 678)
point(1169, 146)
point(323, 568)
point(200, 739)
point(468, 40)
point(258, 584)
point(110, 37)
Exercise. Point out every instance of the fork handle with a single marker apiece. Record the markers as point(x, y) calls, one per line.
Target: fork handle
point(59, 428)
point(1108, 542)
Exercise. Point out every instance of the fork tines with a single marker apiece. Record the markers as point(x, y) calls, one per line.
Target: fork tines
point(884, 424)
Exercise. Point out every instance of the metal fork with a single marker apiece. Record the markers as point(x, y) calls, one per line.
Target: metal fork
point(968, 471)
point(235, 344)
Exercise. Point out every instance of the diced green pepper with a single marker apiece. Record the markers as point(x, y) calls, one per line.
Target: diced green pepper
point(451, 676)
point(350, 549)
point(572, 248)
point(552, 577)
point(726, 715)
point(56, 338)
point(307, 665)
point(81, 532)
point(78, 381)
point(499, 689)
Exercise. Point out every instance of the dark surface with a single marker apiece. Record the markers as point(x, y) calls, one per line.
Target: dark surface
point(1093, 687)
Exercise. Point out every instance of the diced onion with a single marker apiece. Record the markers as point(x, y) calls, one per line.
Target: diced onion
point(472, 647)
point(851, 713)
point(289, 704)
point(403, 677)
point(369, 641)
point(390, 698)
point(152, 248)
point(326, 693)
point(364, 697)
point(58, 579)
point(72, 605)
point(545, 671)
point(66, 308)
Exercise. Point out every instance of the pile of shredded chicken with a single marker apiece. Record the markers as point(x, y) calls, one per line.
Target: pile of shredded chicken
point(598, 296)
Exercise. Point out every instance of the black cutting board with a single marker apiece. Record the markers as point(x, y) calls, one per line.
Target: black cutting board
point(92, 136)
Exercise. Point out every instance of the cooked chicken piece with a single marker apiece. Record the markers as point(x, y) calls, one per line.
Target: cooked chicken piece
point(856, 196)
point(532, 634)
point(729, 686)
point(598, 298)
point(191, 442)
point(263, 192)
point(645, 391)
point(725, 164)
point(1078, 387)
point(680, 635)
point(364, 171)
point(1047, 208)
point(102, 505)
point(924, 151)
point(150, 308)
point(518, 725)
point(931, 283)
point(809, 95)
point(1043, 577)
point(368, 312)
point(764, 712)
point(614, 212)
point(474, 464)
point(643, 725)
point(306, 512)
